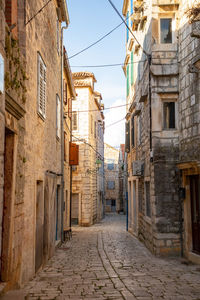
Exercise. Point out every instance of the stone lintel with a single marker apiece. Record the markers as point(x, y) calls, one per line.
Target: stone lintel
point(13, 107)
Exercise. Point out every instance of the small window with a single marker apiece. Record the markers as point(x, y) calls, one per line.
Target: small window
point(169, 115)
point(74, 120)
point(133, 131)
point(110, 166)
point(41, 87)
point(111, 185)
point(58, 112)
point(147, 196)
point(166, 31)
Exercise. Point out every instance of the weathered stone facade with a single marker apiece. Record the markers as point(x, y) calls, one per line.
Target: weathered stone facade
point(88, 132)
point(111, 170)
point(31, 155)
point(152, 144)
point(189, 119)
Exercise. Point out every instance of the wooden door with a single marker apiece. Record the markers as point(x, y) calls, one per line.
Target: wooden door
point(195, 211)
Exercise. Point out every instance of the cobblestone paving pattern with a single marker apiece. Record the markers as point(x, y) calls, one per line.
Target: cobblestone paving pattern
point(106, 262)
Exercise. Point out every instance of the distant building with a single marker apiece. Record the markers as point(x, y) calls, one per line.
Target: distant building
point(88, 133)
point(111, 170)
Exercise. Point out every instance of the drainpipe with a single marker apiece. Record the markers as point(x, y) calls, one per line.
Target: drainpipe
point(62, 138)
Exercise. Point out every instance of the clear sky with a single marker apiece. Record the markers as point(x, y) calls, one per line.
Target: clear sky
point(89, 21)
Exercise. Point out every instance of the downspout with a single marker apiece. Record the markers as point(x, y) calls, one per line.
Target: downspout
point(62, 138)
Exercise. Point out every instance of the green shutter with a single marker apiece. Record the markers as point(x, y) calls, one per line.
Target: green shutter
point(132, 68)
point(127, 79)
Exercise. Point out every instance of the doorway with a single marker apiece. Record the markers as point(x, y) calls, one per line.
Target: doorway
point(75, 208)
point(8, 205)
point(195, 211)
point(39, 233)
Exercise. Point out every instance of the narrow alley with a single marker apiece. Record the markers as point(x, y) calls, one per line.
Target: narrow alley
point(106, 262)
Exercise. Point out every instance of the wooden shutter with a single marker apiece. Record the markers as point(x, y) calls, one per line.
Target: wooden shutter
point(73, 154)
point(41, 87)
point(127, 136)
point(74, 120)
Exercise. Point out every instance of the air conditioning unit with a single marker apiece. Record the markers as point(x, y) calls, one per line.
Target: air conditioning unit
point(138, 168)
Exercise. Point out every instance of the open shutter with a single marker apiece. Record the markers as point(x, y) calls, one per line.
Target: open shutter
point(58, 107)
point(73, 154)
point(41, 87)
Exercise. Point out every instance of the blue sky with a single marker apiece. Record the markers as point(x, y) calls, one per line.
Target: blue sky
point(89, 21)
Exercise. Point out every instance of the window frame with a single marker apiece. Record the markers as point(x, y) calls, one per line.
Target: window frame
point(112, 188)
point(75, 113)
point(167, 16)
point(133, 131)
point(163, 114)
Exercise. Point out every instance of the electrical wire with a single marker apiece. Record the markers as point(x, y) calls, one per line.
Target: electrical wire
point(109, 65)
point(113, 6)
point(99, 40)
point(39, 11)
point(90, 110)
point(115, 123)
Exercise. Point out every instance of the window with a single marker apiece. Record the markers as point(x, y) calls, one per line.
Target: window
point(133, 131)
point(58, 112)
point(41, 87)
point(147, 197)
point(74, 120)
point(111, 166)
point(111, 185)
point(58, 36)
point(166, 31)
point(169, 115)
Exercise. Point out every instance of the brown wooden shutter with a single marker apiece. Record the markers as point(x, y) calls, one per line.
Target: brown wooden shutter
point(73, 154)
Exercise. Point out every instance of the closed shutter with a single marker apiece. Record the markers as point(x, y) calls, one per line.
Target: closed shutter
point(41, 87)
point(127, 30)
point(74, 121)
point(73, 154)
point(58, 108)
point(127, 136)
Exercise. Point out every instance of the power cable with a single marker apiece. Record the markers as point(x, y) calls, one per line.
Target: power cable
point(144, 51)
point(99, 40)
point(90, 110)
point(39, 11)
point(109, 65)
point(115, 123)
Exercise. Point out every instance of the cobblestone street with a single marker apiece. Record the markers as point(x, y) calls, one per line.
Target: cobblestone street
point(106, 262)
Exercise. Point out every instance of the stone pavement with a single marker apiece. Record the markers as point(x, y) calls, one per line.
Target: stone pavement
point(106, 262)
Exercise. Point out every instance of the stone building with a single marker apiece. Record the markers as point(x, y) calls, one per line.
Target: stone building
point(32, 179)
point(88, 133)
point(122, 178)
point(111, 171)
point(69, 96)
point(162, 128)
point(189, 126)
point(152, 129)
